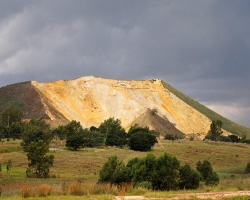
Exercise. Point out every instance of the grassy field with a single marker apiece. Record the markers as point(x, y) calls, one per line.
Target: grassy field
point(229, 161)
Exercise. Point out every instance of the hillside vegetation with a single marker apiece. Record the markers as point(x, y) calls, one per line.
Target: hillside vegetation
point(24, 97)
point(227, 124)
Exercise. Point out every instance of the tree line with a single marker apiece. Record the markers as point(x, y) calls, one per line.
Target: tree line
point(162, 173)
point(109, 133)
point(37, 135)
point(216, 134)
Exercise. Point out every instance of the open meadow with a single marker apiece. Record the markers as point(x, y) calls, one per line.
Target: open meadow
point(77, 172)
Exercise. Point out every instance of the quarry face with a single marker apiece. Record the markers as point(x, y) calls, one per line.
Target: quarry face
point(91, 100)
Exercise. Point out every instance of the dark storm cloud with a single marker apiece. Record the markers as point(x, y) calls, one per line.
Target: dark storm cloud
point(200, 47)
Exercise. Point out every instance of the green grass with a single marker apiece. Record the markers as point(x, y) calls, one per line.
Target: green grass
point(227, 124)
point(68, 197)
point(229, 160)
point(10, 146)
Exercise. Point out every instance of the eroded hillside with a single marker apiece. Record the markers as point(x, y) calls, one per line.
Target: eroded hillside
point(91, 100)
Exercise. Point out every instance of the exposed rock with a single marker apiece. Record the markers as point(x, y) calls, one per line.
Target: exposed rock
point(91, 100)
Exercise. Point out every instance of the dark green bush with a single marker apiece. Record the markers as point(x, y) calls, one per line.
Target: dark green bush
point(189, 178)
point(142, 141)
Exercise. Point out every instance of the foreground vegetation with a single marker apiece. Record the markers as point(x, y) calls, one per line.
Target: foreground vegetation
point(36, 161)
point(81, 168)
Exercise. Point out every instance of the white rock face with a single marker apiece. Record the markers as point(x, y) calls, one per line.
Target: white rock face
point(91, 100)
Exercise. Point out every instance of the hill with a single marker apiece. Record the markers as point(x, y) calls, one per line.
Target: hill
point(91, 100)
point(228, 125)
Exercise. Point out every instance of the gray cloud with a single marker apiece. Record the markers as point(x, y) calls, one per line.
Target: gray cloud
point(200, 47)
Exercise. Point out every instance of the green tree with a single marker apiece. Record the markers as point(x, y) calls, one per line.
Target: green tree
point(73, 128)
point(113, 171)
point(166, 173)
point(143, 169)
point(75, 141)
point(94, 129)
point(141, 141)
point(116, 135)
point(35, 136)
point(59, 132)
point(212, 179)
point(110, 125)
point(39, 162)
point(208, 175)
point(247, 169)
point(204, 168)
point(34, 131)
point(10, 115)
point(3, 131)
point(15, 130)
point(92, 139)
point(234, 138)
point(215, 130)
point(9, 166)
point(189, 178)
point(136, 128)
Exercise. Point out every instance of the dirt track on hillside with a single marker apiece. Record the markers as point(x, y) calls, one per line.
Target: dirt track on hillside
point(205, 195)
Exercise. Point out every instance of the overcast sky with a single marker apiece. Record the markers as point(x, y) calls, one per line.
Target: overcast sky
point(202, 48)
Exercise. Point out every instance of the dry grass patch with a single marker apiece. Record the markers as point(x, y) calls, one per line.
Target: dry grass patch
point(27, 192)
point(44, 190)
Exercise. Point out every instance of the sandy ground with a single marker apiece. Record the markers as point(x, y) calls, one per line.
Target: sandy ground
point(211, 195)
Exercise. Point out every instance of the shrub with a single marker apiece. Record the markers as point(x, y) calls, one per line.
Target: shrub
point(27, 192)
point(75, 141)
point(143, 169)
point(166, 173)
point(247, 169)
point(64, 188)
point(44, 190)
point(212, 179)
point(76, 189)
point(114, 172)
point(154, 111)
point(39, 162)
point(189, 178)
point(116, 135)
point(93, 139)
point(142, 141)
point(173, 137)
point(208, 175)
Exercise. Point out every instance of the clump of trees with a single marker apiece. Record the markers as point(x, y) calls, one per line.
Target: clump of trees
point(11, 125)
point(162, 173)
point(209, 176)
point(114, 132)
point(215, 134)
point(109, 133)
point(36, 136)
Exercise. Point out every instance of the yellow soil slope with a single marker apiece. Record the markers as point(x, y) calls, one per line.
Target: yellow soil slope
point(91, 100)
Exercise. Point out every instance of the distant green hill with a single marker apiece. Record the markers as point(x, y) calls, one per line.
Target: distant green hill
point(24, 97)
point(227, 124)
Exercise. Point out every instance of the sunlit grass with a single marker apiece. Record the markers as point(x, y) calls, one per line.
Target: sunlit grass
point(229, 160)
